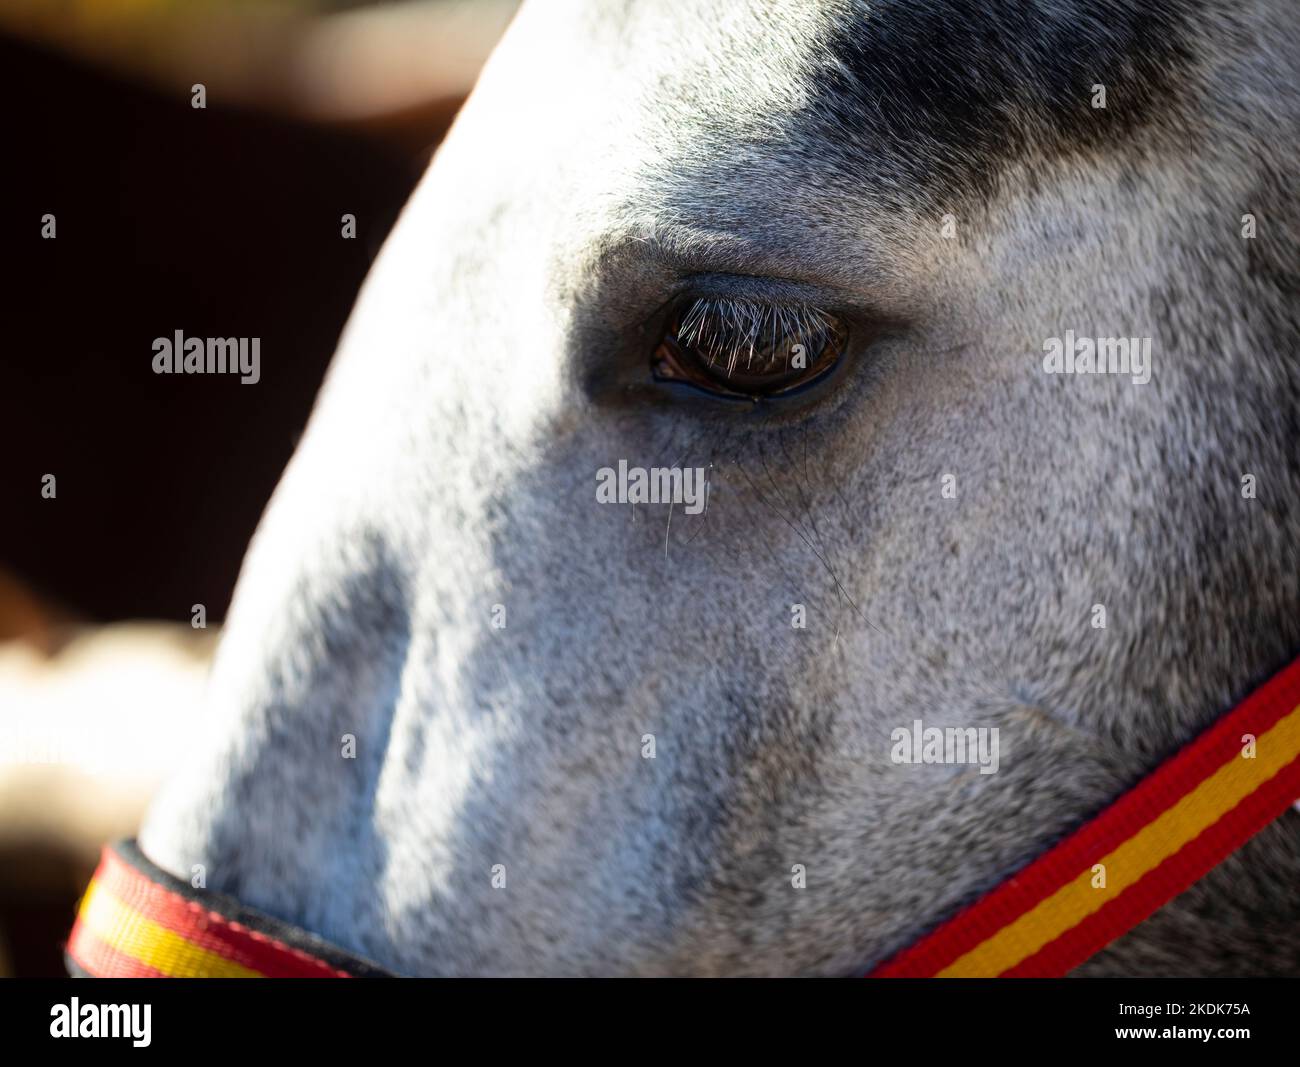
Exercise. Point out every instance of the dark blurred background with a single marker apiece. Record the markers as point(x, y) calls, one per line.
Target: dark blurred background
point(223, 221)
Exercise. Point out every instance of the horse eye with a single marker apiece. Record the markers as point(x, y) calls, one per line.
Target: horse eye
point(745, 349)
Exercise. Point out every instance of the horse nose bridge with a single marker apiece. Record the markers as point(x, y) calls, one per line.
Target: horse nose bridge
point(296, 724)
point(333, 638)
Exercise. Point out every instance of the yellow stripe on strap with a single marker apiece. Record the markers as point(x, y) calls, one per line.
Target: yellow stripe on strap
point(152, 944)
point(1126, 864)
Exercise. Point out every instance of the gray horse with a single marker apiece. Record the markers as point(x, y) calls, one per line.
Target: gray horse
point(979, 322)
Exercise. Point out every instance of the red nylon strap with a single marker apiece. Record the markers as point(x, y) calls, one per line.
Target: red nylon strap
point(137, 921)
point(1276, 703)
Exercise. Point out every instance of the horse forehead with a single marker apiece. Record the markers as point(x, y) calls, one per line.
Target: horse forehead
point(756, 117)
point(595, 92)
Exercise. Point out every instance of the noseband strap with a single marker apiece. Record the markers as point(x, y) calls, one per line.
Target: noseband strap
point(138, 921)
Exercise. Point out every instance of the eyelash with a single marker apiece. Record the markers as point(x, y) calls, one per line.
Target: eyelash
point(727, 329)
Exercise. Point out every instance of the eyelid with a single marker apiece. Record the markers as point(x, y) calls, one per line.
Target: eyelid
point(712, 321)
point(769, 290)
point(705, 339)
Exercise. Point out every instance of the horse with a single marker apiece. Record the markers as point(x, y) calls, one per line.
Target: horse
point(978, 323)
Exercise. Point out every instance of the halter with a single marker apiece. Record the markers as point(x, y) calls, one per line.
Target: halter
point(138, 921)
point(1176, 824)
point(1181, 820)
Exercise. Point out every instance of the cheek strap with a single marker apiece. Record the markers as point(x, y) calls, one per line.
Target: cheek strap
point(1177, 823)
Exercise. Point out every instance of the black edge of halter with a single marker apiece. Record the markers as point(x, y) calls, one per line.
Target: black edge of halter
point(232, 909)
point(74, 969)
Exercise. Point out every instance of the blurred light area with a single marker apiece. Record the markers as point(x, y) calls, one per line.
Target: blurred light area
point(88, 732)
point(328, 62)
